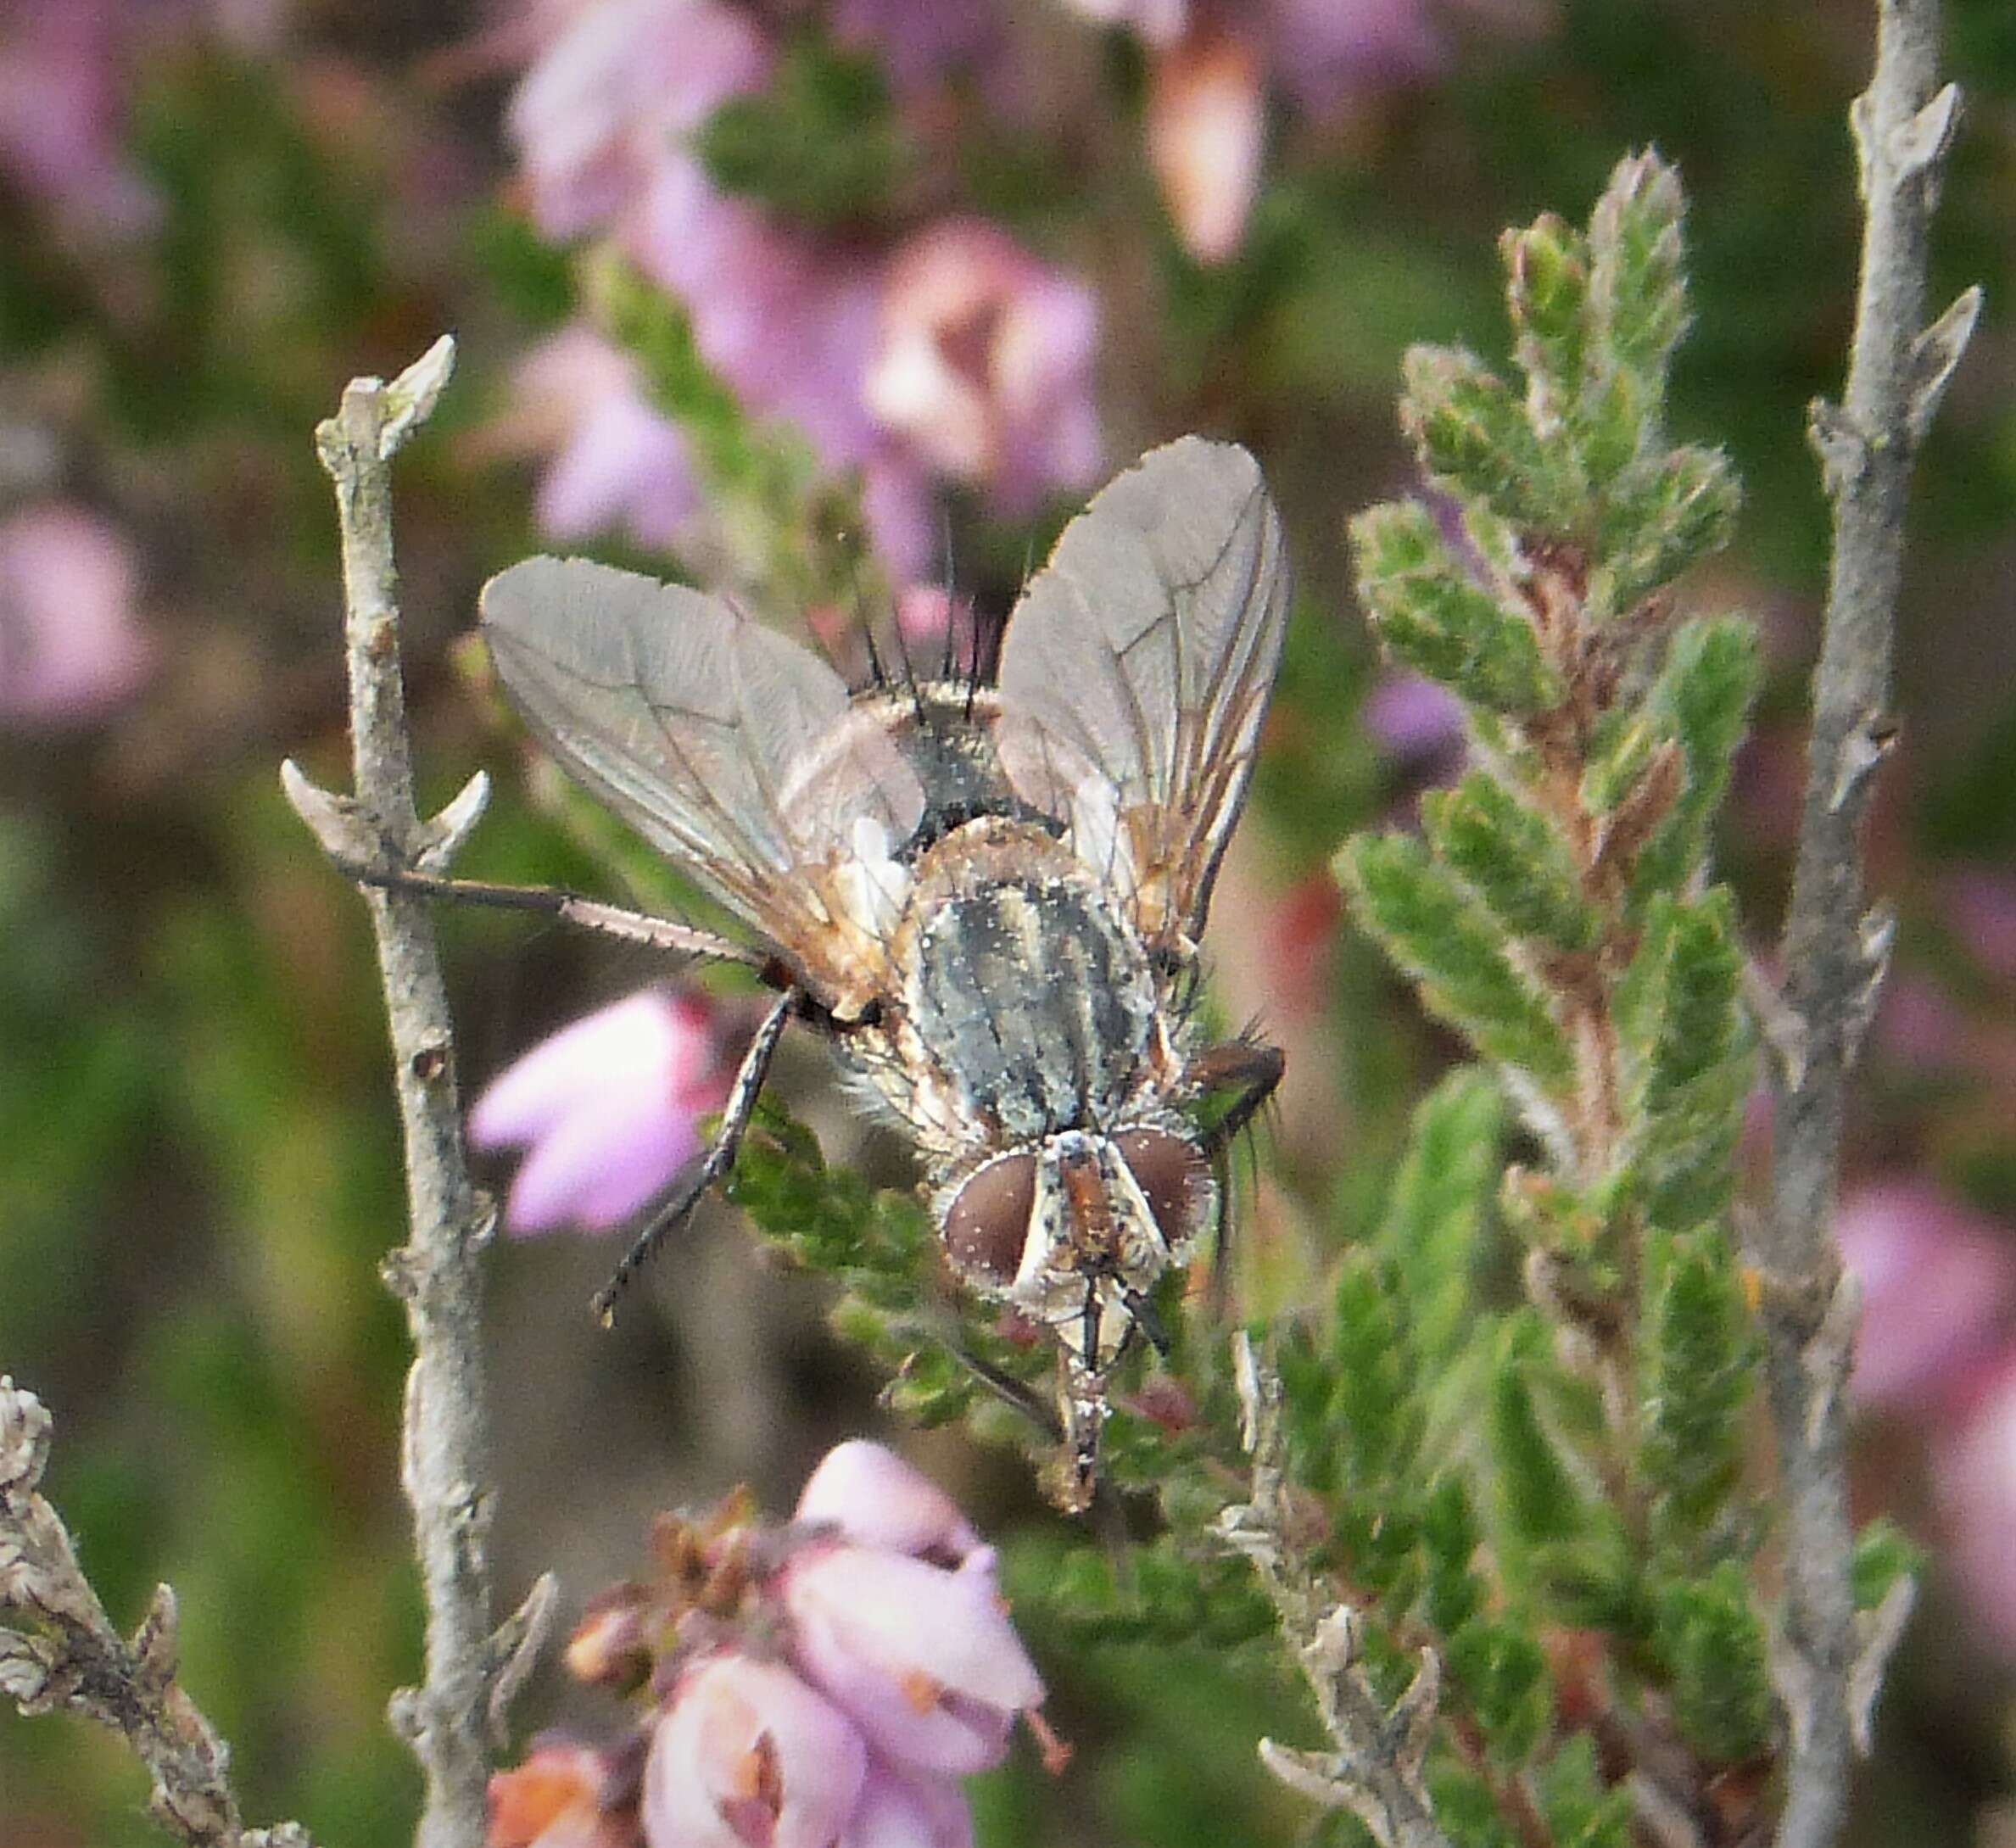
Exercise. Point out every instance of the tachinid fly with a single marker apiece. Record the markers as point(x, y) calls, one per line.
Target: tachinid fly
point(988, 898)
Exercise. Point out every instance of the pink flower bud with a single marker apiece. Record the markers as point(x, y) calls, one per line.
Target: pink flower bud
point(925, 1660)
point(1207, 126)
point(554, 1799)
point(748, 1756)
point(608, 1109)
point(876, 1499)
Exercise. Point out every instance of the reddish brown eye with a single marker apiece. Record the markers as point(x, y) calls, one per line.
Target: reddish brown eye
point(988, 1224)
point(1172, 1172)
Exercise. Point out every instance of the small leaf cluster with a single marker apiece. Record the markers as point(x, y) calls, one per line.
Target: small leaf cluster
point(1553, 1493)
point(821, 144)
point(898, 1302)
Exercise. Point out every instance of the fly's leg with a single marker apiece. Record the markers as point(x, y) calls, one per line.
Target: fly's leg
point(1252, 1069)
point(1071, 1480)
point(570, 908)
point(719, 1157)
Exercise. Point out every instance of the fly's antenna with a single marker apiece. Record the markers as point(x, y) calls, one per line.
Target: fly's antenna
point(877, 673)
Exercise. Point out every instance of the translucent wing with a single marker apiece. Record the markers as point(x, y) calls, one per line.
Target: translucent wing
point(1138, 669)
point(731, 749)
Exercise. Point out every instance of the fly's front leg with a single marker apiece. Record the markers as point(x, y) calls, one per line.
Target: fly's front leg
point(1252, 1071)
point(1250, 1068)
point(570, 908)
point(719, 1157)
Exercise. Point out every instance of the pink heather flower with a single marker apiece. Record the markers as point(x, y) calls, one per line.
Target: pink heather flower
point(607, 1109)
point(69, 647)
point(748, 1756)
point(1207, 128)
point(900, 1811)
point(923, 1660)
point(615, 462)
point(63, 114)
point(1415, 719)
point(599, 109)
point(983, 363)
point(1937, 1282)
point(1974, 1475)
point(875, 1498)
point(554, 1799)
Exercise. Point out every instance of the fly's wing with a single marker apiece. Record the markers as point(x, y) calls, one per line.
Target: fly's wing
point(731, 749)
point(1137, 671)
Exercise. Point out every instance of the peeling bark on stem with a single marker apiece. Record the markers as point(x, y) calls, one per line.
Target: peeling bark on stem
point(68, 1658)
point(452, 1719)
point(1903, 124)
point(1375, 1769)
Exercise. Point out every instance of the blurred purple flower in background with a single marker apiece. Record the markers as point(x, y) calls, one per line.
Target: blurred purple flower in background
point(63, 82)
point(1937, 1280)
point(1210, 69)
point(70, 648)
point(614, 462)
point(955, 353)
point(1980, 906)
point(607, 1110)
point(1414, 719)
point(1975, 1475)
point(984, 362)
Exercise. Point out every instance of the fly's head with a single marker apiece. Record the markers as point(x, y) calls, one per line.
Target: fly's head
point(1074, 1231)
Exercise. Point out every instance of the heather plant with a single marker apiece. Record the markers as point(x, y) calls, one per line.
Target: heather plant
point(1447, 1513)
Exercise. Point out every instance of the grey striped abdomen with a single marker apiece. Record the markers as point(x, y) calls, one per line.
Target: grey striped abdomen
point(1034, 1004)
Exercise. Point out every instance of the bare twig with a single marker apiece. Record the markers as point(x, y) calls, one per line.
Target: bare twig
point(1374, 1771)
point(69, 1656)
point(1833, 946)
point(451, 1721)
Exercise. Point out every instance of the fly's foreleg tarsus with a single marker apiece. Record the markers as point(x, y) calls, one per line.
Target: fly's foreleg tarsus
point(570, 908)
point(720, 1156)
point(1252, 1071)
point(1250, 1068)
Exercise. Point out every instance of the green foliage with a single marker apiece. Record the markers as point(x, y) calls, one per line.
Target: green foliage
point(821, 144)
point(1712, 1641)
point(1581, 1810)
point(1436, 1210)
point(1158, 1593)
point(1885, 1555)
point(1431, 926)
point(1686, 1057)
point(1514, 858)
point(1697, 1364)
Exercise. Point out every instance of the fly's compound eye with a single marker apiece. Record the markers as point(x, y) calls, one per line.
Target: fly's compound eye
point(1174, 1176)
point(988, 1224)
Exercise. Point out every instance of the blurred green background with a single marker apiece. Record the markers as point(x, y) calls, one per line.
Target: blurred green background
point(211, 215)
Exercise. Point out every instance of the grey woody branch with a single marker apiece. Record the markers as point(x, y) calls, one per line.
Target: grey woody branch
point(1375, 1765)
point(1836, 944)
point(66, 1656)
point(453, 1720)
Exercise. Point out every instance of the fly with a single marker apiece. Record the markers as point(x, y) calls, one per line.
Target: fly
point(988, 899)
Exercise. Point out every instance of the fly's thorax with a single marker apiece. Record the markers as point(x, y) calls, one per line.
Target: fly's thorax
point(1076, 1229)
point(1021, 991)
